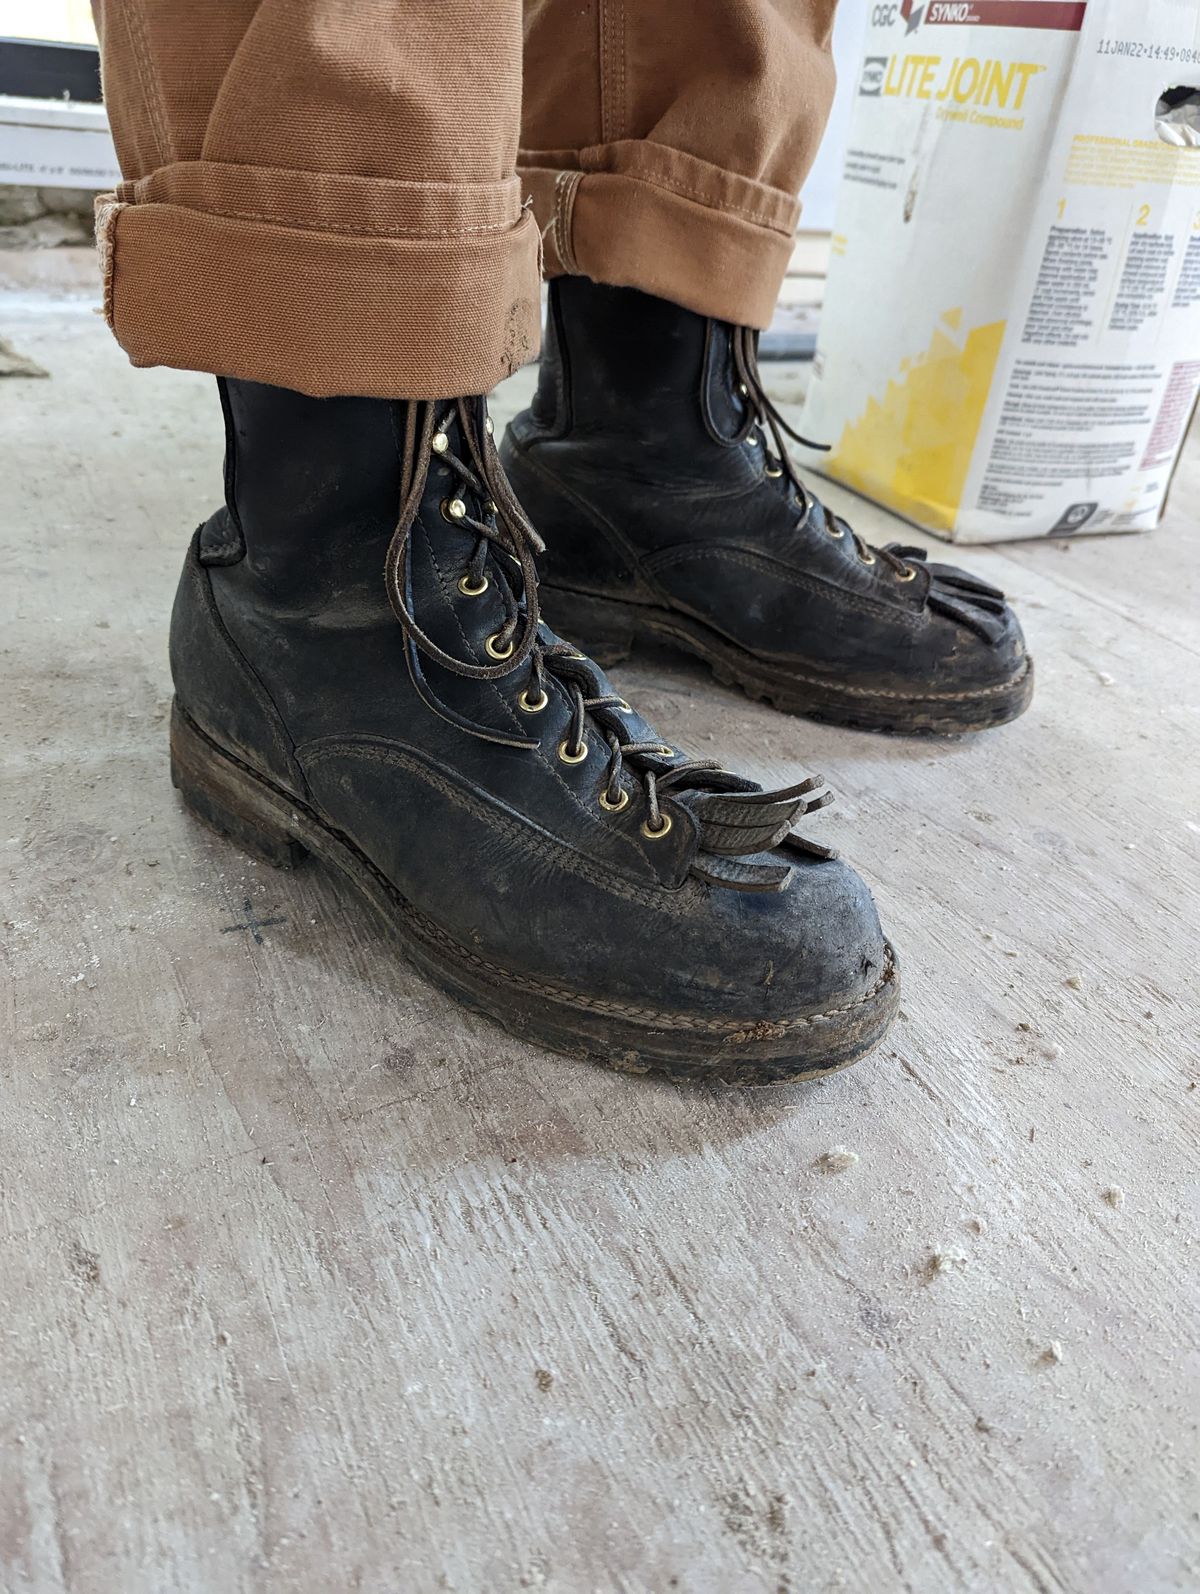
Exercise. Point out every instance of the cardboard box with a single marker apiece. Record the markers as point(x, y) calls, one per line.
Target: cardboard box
point(1010, 341)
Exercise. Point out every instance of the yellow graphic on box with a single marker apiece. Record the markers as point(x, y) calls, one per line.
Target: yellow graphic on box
point(966, 80)
point(912, 449)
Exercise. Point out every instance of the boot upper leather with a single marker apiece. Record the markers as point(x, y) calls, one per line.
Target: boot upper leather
point(286, 648)
point(664, 487)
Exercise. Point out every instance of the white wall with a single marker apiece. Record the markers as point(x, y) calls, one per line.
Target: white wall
point(821, 189)
point(47, 19)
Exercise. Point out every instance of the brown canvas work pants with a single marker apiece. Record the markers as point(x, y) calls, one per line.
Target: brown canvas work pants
point(334, 195)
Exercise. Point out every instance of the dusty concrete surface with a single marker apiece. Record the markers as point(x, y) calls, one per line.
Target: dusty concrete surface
point(312, 1282)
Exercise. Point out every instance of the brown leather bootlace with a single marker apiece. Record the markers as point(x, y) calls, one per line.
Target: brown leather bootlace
point(735, 819)
point(504, 532)
point(763, 416)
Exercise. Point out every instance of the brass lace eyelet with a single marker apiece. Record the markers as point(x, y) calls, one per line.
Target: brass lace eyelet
point(743, 390)
point(569, 757)
point(574, 654)
point(622, 707)
point(752, 440)
point(453, 509)
point(489, 425)
point(774, 471)
point(651, 834)
point(664, 751)
point(907, 574)
point(495, 650)
point(836, 532)
point(468, 588)
point(531, 705)
point(867, 558)
point(439, 442)
point(617, 807)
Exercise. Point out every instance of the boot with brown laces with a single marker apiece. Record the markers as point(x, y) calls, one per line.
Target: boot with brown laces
point(361, 673)
point(656, 467)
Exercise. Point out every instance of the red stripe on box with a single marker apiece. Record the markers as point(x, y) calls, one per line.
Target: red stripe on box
point(1064, 16)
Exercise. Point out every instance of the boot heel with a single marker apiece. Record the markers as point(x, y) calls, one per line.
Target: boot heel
point(229, 799)
point(601, 627)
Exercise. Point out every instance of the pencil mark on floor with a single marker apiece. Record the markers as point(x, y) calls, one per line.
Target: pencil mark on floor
point(251, 923)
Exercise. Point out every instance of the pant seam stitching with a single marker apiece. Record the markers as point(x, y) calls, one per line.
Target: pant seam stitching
point(590, 163)
point(620, 105)
point(350, 232)
point(671, 185)
point(612, 69)
point(602, 18)
point(566, 187)
point(148, 77)
point(704, 199)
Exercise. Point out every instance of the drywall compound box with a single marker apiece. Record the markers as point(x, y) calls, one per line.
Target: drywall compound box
point(1010, 342)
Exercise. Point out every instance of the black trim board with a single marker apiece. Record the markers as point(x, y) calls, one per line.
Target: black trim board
point(40, 69)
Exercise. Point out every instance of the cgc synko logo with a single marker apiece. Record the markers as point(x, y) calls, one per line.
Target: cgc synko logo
point(1057, 16)
point(913, 12)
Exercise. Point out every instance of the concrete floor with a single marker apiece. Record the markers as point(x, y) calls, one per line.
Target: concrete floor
point(312, 1282)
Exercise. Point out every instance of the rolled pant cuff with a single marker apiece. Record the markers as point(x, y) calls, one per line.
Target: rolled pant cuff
point(407, 291)
point(640, 215)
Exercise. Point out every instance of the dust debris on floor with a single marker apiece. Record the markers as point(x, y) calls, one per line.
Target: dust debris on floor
point(836, 1160)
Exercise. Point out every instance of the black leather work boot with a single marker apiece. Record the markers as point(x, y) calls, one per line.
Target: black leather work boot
point(655, 466)
point(361, 674)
